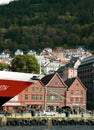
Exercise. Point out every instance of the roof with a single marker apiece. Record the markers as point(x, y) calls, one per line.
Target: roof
point(19, 76)
point(60, 69)
point(87, 60)
point(46, 79)
point(69, 81)
point(13, 104)
point(72, 62)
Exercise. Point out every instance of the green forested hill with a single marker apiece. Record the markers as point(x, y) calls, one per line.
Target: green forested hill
point(35, 24)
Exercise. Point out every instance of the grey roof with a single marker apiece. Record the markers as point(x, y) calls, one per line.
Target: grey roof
point(87, 60)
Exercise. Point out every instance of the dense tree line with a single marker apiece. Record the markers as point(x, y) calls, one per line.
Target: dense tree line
point(35, 24)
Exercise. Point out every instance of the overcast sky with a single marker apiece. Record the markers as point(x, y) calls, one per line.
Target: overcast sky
point(5, 1)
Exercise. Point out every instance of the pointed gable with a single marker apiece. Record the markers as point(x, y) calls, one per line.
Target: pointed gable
point(70, 81)
point(53, 80)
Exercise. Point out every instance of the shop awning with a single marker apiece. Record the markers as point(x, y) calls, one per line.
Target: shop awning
point(14, 104)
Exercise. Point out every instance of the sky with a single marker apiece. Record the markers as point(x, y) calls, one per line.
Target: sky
point(5, 1)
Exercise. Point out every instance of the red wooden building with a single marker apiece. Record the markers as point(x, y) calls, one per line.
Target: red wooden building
point(76, 94)
point(33, 96)
point(55, 91)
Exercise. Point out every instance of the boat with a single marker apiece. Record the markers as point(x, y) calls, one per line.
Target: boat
point(12, 83)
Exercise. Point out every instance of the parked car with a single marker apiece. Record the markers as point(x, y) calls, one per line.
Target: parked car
point(48, 113)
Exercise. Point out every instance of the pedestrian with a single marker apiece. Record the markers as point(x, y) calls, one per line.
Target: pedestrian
point(82, 114)
point(22, 112)
point(33, 112)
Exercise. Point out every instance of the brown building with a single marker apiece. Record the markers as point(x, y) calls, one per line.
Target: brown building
point(86, 74)
point(70, 69)
point(76, 94)
point(55, 91)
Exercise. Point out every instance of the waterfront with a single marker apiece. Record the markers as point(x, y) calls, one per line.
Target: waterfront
point(77, 127)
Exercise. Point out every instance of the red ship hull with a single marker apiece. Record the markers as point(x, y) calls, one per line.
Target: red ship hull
point(12, 83)
point(10, 88)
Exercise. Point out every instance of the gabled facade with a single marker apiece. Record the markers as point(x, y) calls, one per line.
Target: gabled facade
point(75, 94)
point(55, 91)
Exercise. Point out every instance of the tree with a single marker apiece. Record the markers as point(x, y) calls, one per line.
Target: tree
point(4, 66)
point(25, 63)
point(73, 39)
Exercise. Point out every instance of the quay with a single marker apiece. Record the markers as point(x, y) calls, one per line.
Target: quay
point(61, 119)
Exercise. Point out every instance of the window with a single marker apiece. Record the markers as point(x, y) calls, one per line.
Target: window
point(53, 90)
point(33, 97)
point(37, 89)
point(33, 89)
point(41, 97)
point(77, 86)
point(56, 83)
point(60, 90)
point(56, 98)
point(71, 100)
point(26, 90)
point(48, 98)
point(26, 97)
point(71, 92)
point(40, 89)
point(77, 99)
point(77, 92)
point(82, 92)
point(60, 98)
point(53, 98)
point(37, 97)
point(81, 100)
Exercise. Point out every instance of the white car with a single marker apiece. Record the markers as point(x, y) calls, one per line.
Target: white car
point(48, 113)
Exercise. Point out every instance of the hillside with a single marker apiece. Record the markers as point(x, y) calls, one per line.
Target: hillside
point(35, 24)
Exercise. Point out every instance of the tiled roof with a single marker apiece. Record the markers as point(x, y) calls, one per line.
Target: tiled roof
point(69, 82)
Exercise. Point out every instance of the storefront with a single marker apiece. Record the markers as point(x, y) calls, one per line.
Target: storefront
point(14, 107)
